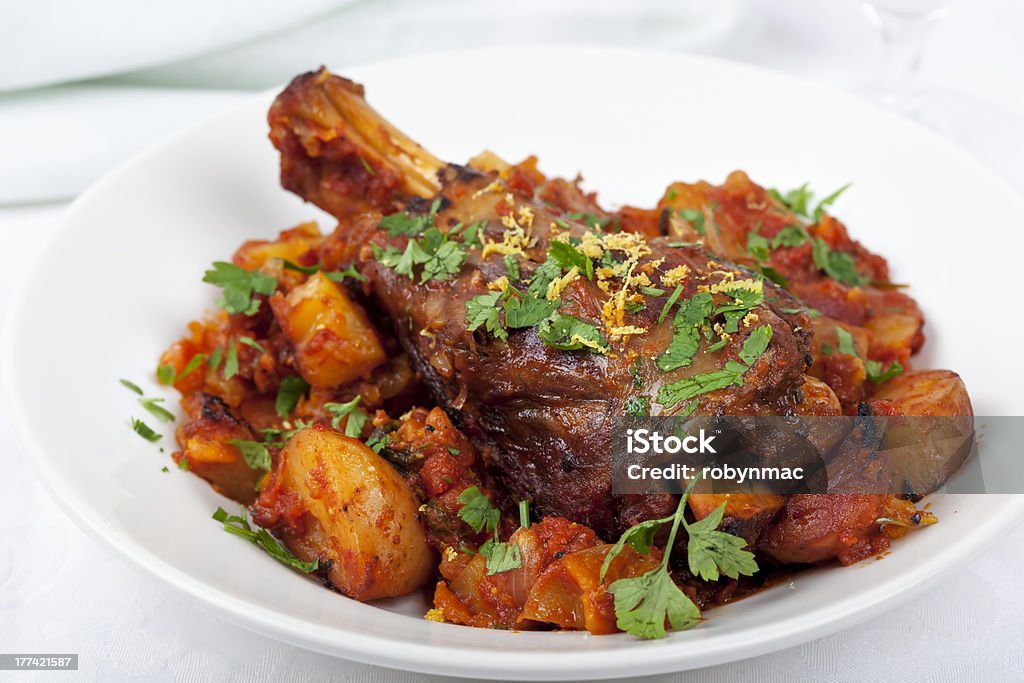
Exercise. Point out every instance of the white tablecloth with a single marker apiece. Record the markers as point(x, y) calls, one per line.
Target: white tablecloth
point(61, 593)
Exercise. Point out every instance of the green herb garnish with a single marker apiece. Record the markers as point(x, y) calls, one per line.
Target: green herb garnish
point(239, 526)
point(239, 287)
point(131, 385)
point(159, 412)
point(291, 389)
point(644, 603)
point(568, 256)
point(357, 419)
point(143, 430)
point(637, 406)
point(231, 362)
point(483, 311)
point(846, 342)
point(526, 310)
point(568, 333)
point(876, 375)
point(255, 453)
point(689, 387)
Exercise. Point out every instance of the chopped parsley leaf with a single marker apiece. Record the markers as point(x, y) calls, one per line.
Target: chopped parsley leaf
point(483, 311)
point(566, 255)
point(635, 306)
point(636, 371)
point(758, 246)
point(342, 275)
point(501, 557)
point(669, 303)
point(790, 236)
point(239, 526)
point(192, 364)
point(132, 385)
point(231, 360)
point(143, 430)
point(543, 276)
point(408, 224)
point(477, 511)
point(256, 454)
point(512, 267)
point(526, 310)
point(305, 270)
point(356, 418)
point(165, 374)
point(291, 389)
point(837, 265)
point(798, 200)
point(159, 412)
point(249, 341)
point(644, 603)
point(876, 375)
point(569, 333)
point(846, 342)
point(637, 406)
point(711, 553)
point(239, 287)
point(732, 374)
point(819, 210)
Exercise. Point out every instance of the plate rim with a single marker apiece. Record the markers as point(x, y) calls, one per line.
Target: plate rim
point(468, 662)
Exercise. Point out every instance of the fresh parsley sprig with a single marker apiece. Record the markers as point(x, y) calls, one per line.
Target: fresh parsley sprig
point(643, 604)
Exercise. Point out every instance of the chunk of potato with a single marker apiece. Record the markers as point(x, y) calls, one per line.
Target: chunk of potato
point(205, 450)
point(927, 392)
point(334, 340)
point(334, 500)
point(937, 439)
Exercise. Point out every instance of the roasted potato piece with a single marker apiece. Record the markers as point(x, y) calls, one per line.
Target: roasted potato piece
point(927, 392)
point(205, 448)
point(927, 451)
point(570, 594)
point(334, 340)
point(333, 499)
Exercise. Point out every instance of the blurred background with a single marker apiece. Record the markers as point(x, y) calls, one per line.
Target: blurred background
point(86, 83)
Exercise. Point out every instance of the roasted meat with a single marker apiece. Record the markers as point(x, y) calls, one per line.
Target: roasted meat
point(541, 394)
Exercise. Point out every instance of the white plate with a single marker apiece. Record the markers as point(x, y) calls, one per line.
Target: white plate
point(122, 278)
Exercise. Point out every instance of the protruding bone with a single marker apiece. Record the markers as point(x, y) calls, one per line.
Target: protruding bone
point(339, 153)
